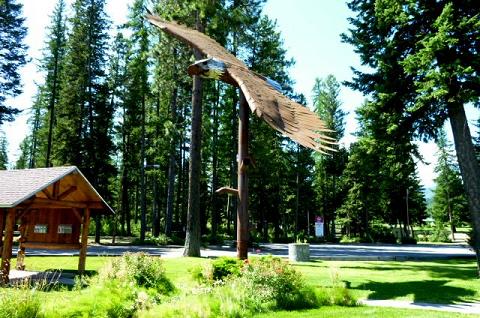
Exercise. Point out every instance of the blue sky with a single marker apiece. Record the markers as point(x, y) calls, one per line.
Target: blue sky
point(311, 32)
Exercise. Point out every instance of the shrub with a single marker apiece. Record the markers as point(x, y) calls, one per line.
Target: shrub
point(261, 285)
point(350, 239)
point(336, 294)
point(139, 268)
point(408, 240)
point(382, 234)
point(161, 240)
point(111, 299)
point(217, 270)
point(20, 301)
point(224, 267)
point(272, 280)
point(440, 234)
point(212, 239)
point(123, 287)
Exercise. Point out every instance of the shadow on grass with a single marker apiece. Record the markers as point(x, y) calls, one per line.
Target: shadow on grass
point(71, 273)
point(457, 269)
point(312, 263)
point(431, 291)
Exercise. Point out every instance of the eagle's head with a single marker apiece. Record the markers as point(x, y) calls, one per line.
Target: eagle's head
point(208, 68)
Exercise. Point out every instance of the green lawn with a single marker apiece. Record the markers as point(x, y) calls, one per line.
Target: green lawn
point(370, 312)
point(445, 281)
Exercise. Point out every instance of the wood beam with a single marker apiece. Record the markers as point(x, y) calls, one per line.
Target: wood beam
point(45, 203)
point(84, 241)
point(227, 190)
point(65, 193)
point(2, 224)
point(7, 246)
point(56, 189)
point(49, 196)
point(53, 246)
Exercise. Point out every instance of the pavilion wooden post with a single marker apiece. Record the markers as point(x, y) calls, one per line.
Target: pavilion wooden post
point(7, 246)
point(243, 162)
point(21, 247)
point(2, 224)
point(84, 241)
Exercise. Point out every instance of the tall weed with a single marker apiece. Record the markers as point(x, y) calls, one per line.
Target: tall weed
point(20, 301)
point(123, 287)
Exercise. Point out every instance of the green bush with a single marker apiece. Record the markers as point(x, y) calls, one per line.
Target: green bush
point(161, 240)
point(336, 294)
point(224, 267)
point(217, 270)
point(350, 239)
point(20, 302)
point(139, 268)
point(440, 234)
point(408, 240)
point(272, 280)
point(111, 299)
point(123, 287)
point(212, 239)
point(381, 234)
point(262, 284)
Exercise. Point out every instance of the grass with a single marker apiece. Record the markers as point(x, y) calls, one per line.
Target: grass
point(441, 281)
point(370, 312)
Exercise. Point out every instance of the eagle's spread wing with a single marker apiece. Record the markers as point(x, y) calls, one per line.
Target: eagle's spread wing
point(195, 39)
point(281, 113)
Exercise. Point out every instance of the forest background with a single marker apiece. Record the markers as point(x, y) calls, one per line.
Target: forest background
point(114, 100)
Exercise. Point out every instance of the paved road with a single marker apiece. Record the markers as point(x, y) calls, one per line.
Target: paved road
point(318, 251)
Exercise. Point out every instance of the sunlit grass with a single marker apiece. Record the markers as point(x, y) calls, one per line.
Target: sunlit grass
point(370, 312)
point(440, 281)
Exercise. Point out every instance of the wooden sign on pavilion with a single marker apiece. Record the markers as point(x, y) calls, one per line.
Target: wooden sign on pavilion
point(52, 207)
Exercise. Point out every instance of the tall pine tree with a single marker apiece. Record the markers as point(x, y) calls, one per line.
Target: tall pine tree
point(13, 53)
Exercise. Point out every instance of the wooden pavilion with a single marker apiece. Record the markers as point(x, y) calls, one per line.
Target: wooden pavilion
point(52, 208)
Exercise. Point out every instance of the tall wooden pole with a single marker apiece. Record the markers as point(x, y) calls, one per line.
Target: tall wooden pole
point(84, 241)
point(7, 246)
point(243, 162)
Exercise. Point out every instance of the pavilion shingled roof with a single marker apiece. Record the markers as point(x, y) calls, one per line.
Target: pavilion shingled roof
point(19, 185)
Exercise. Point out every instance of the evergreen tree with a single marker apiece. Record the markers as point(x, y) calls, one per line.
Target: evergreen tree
point(449, 200)
point(3, 151)
point(423, 68)
point(52, 64)
point(329, 169)
point(37, 146)
point(84, 116)
point(13, 52)
point(382, 183)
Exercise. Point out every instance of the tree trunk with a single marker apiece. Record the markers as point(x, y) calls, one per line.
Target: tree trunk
point(171, 168)
point(192, 238)
point(469, 169)
point(214, 196)
point(179, 203)
point(51, 109)
point(143, 199)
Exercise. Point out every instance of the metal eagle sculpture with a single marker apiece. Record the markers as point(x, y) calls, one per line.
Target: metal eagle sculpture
point(262, 94)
